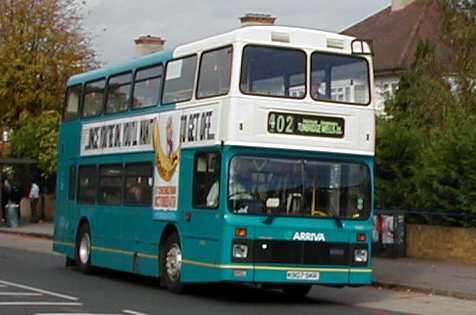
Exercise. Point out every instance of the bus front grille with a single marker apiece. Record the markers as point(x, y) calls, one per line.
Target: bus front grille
point(300, 253)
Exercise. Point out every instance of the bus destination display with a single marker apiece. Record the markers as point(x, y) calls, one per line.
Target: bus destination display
point(305, 125)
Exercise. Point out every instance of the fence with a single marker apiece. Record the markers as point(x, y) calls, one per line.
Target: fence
point(389, 229)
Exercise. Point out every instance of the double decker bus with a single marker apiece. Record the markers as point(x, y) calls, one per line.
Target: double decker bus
point(245, 157)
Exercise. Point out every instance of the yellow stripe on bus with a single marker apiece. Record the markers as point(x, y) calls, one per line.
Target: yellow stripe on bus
point(276, 268)
point(111, 250)
point(220, 266)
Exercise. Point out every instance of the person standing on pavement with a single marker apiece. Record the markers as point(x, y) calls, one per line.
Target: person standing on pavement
point(34, 198)
point(6, 190)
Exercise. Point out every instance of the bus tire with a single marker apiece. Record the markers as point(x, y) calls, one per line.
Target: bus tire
point(296, 291)
point(83, 249)
point(171, 264)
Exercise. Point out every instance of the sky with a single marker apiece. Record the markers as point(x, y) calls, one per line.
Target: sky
point(114, 24)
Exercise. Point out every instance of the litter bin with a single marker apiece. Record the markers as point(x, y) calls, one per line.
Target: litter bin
point(12, 215)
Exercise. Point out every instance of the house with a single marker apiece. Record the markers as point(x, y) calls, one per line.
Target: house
point(395, 33)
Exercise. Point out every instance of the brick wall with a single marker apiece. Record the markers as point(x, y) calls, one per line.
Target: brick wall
point(441, 243)
point(48, 208)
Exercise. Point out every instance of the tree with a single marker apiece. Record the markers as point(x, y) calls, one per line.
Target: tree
point(36, 139)
point(460, 34)
point(42, 43)
point(425, 153)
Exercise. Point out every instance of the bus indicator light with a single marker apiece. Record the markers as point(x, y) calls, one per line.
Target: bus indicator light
point(361, 237)
point(241, 232)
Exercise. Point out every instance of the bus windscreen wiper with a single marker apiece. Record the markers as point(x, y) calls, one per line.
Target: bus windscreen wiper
point(337, 219)
point(269, 219)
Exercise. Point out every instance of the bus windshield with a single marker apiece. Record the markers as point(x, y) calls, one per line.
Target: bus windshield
point(339, 78)
point(299, 187)
point(273, 71)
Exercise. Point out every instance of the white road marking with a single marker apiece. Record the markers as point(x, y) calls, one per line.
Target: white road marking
point(133, 312)
point(19, 294)
point(66, 297)
point(124, 311)
point(73, 314)
point(40, 304)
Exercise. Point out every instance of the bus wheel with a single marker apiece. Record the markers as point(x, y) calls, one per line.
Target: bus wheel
point(171, 264)
point(83, 249)
point(296, 291)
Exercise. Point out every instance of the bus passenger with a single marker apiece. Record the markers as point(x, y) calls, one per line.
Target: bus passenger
point(135, 194)
point(213, 194)
point(316, 90)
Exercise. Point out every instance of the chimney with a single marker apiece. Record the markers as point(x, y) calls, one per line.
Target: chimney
point(251, 19)
point(149, 44)
point(398, 5)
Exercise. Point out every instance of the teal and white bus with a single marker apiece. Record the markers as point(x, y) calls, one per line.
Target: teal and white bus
point(245, 157)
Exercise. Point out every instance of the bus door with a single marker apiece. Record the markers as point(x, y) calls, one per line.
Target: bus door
point(67, 215)
point(202, 220)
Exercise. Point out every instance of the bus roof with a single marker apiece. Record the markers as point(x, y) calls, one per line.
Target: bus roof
point(144, 61)
point(274, 35)
point(266, 35)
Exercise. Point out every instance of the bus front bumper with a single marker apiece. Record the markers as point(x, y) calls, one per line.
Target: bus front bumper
point(284, 274)
point(279, 274)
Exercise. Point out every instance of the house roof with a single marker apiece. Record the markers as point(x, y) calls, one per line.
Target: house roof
point(395, 34)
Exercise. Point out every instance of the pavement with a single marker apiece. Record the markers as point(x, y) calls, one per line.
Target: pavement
point(409, 274)
point(43, 230)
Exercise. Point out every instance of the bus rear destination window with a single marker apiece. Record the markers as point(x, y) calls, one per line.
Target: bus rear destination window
point(273, 71)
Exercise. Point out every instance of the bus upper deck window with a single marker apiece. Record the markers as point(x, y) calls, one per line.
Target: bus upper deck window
point(273, 71)
point(215, 73)
point(338, 78)
point(179, 80)
point(73, 97)
point(118, 92)
point(93, 98)
point(147, 87)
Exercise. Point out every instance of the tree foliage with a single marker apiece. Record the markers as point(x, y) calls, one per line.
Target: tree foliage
point(425, 152)
point(36, 139)
point(42, 43)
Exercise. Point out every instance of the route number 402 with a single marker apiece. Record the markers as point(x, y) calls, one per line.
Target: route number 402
point(280, 123)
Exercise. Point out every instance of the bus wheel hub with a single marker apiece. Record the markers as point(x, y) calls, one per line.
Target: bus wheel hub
point(173, 262)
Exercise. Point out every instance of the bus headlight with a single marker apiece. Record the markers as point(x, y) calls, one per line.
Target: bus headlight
point(240, 251)
point(360, 255)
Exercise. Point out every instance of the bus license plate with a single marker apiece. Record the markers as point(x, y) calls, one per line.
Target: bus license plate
point(302, 275)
